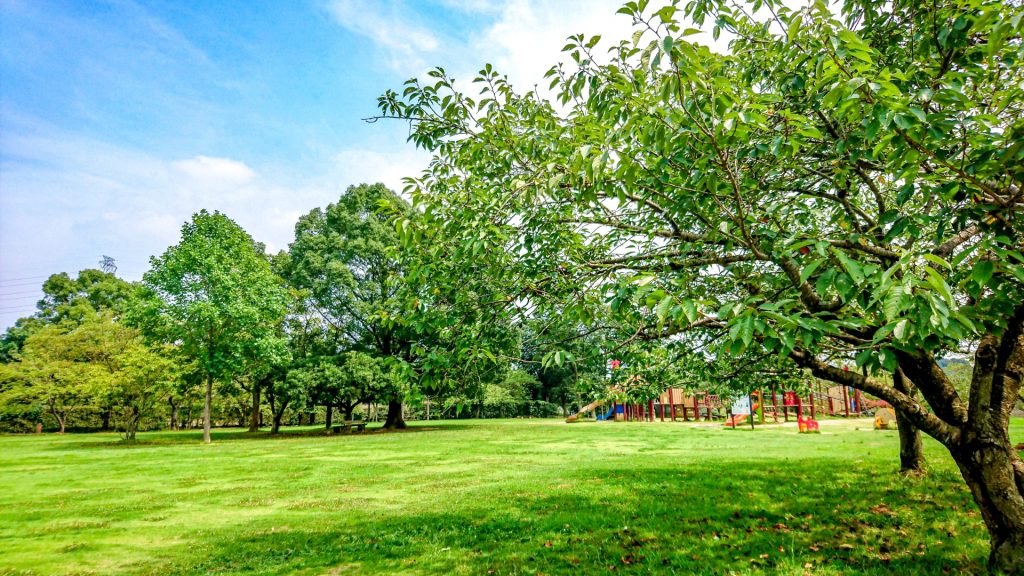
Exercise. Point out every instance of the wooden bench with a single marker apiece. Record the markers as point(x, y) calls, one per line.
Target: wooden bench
point(349, 425)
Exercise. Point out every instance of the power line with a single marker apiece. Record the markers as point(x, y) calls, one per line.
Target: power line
point(24, 278)
point(4, 298)
point(28, 280)
point(20, 284)
point(36, 291)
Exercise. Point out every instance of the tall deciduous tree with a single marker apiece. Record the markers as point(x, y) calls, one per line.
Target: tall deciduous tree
point(346, 257)
point(839, 186)
point(217, 297)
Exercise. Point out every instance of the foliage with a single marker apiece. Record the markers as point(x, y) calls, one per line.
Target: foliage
point(215, 296)
point(509, 396)
point(97, 365)
point(356, 379)
point(838, 186)
point(145, 378)
point(70, 301)
point(66, 299)
point(344, 256)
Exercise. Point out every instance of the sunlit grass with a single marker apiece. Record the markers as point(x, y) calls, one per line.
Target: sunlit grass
point(479, 497)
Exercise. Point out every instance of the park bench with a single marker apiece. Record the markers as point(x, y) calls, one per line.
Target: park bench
point(349, 425)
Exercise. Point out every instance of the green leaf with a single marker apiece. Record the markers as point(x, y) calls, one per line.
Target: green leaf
point(851, 266)
point(663, 306)
point(982, 272)
point(666, 44)
point(794, 26)
point(809, 270)
point(939, 284)
point(937, 260)
point(900, 331)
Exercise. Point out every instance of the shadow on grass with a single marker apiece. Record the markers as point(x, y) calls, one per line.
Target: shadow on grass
point(107, 440)
point(742, 518)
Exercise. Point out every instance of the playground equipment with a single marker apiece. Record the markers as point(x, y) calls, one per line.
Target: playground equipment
point(806, 425)
point(885, 418)
point(585, 410)
point(743, 409)
point(836, 400)
point(676, 403)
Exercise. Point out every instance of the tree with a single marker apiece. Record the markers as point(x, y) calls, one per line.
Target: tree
point(359, 378)
point(216, 296)
point(70, 300)
point(346, 257)
point(286, 389)
point(145, 378)
point(66, 370)
point(92, 291)
point(838, 187)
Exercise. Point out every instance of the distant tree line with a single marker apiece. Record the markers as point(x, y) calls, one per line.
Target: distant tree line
point(219, 333)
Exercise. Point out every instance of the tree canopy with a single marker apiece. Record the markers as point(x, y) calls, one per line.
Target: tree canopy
point(217, 297)
point(838, 186)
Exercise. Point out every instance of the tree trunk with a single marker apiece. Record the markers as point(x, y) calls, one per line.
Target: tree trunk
point(992, 470)
point(329, 417)
point(254, 415)
point(206, 409)
point(395, 420)
point(986, 458)
point(911, 448)
point(132, 424)
point(105, 419)
point(60, 419)
point(276, 426)
point(174, 413)
point(348, 411)
point(976, 433)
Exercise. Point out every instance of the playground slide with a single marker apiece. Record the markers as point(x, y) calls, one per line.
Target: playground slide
point(608, 416)
point(586, 409)
point(738, 419)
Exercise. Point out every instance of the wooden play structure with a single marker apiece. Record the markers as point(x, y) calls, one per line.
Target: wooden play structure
point(678, 404)
point(836, 400)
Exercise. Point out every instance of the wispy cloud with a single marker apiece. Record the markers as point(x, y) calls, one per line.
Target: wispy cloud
point(215, 172)
point(390, 26)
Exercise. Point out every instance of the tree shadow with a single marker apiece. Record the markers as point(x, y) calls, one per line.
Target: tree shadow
point(108, 440)
point(691, 519)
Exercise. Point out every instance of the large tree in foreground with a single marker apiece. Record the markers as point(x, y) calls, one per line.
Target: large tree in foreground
point(838, 186)
point(217, 297)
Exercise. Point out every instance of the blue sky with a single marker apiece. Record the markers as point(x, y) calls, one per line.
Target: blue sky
point(120, 119)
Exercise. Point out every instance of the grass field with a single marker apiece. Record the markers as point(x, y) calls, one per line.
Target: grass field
point(485, 497)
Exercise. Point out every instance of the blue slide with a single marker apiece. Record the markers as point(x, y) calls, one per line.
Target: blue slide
point(608, 415)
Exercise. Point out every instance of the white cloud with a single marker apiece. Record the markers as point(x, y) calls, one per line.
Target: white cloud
point(527, 38)
point(217, 172)
point(387, 25)
point(359, 166)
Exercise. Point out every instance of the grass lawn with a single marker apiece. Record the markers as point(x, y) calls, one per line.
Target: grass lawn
point(485, 497)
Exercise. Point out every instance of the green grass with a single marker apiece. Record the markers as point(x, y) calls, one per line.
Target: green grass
point(491, 497)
